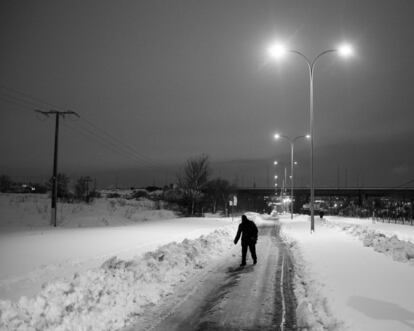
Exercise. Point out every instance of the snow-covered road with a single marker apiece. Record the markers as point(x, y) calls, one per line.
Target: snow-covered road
point(225, 296)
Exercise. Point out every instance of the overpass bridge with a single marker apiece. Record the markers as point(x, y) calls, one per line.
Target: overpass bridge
point(255, 198)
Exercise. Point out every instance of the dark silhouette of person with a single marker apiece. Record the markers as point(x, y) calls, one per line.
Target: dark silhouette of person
point(248, 232)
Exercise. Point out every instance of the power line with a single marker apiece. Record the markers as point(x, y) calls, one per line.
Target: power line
point(100, 134)
point(30, 97)
point(126, 146)
point(10, 98)
point(90, 135)
point(110, 144)
point(17, 103)
point(409, 182)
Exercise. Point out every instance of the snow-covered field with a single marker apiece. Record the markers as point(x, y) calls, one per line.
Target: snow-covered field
point(352, 274)
point(109, 260)
point(91, 274)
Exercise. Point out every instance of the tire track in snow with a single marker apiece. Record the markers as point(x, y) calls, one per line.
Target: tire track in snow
point(285, 299)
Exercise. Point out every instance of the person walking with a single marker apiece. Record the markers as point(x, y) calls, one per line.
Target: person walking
point(248, 232)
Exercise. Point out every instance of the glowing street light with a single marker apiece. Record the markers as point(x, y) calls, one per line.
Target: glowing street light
point(345, 50)
point(277, 52)
point(292, 145)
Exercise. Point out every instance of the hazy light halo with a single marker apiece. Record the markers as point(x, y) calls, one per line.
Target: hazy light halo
point(277, 51)
point(345, 50)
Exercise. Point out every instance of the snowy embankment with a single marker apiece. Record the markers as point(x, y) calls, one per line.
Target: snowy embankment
point(67, 278)
point(106, 298)
point(395, 240)
point(349, 274)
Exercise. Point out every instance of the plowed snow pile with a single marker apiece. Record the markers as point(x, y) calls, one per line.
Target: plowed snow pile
point(106, 298)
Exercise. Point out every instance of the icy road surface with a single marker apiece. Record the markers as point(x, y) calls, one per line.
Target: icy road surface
point(229, 297)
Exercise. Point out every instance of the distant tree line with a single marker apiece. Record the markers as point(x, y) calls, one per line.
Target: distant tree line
point(194, 193)
point(82, 191)
point(7, 185)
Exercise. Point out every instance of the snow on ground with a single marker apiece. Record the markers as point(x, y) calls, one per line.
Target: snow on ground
point(107, 298)
point(58, 270)
point(22, 212)
point(345, 283)
point(108, 260)
point(395, 240)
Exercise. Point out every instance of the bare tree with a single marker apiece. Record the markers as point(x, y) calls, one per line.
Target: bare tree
point(5, 183)
point(62, 186)
point(82, 190)
point(193, 179)
point(218, 192)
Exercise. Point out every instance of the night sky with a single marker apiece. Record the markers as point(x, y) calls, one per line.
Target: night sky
point(158, 82)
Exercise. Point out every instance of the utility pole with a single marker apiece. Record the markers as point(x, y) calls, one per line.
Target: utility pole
point(55, 156)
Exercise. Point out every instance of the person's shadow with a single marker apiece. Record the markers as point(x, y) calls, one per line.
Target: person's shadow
point(239, 270)
point(382, 310)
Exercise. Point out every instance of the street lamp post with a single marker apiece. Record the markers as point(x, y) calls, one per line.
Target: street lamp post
point(292, 146)
point(277, 51)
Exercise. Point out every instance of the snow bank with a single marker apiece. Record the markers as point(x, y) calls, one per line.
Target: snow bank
point(106, 298)
point(382, 240)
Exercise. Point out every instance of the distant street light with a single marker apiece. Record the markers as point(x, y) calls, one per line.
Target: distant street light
point(284, 181)
point(292, 145)
point(277, 52)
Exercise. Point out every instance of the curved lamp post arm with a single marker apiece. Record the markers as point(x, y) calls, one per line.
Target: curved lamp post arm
point(286, 137)
point(320, 54)
point(298, 137)
point(308, 62)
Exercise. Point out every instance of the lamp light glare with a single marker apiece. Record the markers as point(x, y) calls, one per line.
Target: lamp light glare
point(277, 136)
point(308, 136)
point(276, 51)
point(345, 50)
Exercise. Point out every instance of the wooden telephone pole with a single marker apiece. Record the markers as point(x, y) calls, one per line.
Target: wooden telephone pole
point(55, 157)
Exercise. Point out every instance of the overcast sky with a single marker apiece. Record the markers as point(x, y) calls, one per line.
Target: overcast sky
point(157, 82)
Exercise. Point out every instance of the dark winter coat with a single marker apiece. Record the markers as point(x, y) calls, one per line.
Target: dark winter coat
point(248, 232)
